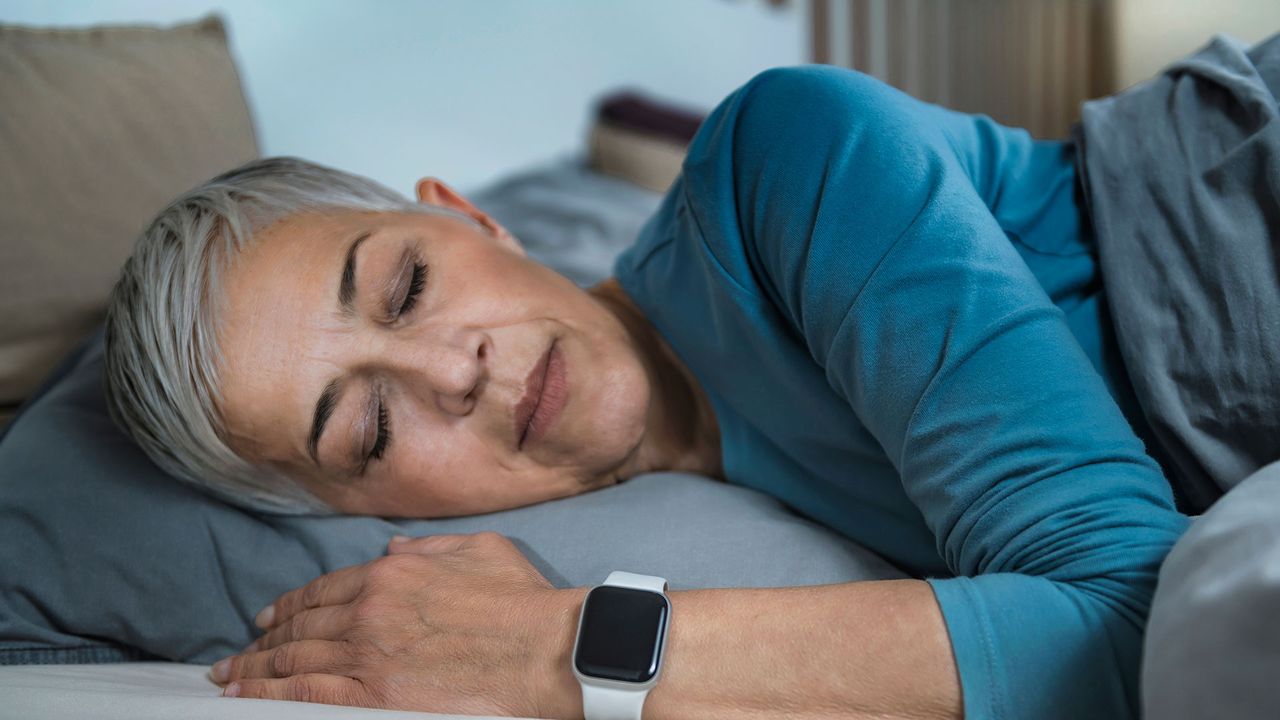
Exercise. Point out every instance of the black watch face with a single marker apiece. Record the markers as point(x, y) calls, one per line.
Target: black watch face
point(621, 634)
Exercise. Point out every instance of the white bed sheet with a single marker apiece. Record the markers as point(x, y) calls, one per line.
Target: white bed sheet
point(152, 690)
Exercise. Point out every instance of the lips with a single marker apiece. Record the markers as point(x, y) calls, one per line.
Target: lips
point(545, 393)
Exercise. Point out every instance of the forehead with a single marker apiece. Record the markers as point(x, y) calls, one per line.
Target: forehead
point(277, 303)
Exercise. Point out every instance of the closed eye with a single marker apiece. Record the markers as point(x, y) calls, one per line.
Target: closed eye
point(416, 285)
point(384, 434)
point(383, 440)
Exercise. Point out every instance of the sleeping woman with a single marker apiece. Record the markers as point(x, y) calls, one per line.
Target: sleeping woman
point(888, 315)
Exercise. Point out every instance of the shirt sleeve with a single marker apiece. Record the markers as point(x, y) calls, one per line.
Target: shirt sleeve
point(862, 222)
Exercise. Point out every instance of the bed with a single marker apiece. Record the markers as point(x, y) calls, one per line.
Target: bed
point(127, 691)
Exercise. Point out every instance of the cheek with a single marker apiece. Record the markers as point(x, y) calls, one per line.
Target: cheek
point(453, 472)
point(610, 418)
point(624, 404)
point(540, 288)
point(441, 462)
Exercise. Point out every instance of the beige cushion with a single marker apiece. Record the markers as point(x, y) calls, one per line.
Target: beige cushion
point(99, 128)
point(648, 160)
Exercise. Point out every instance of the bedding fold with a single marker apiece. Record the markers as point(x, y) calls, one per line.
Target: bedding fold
point(1182, 178)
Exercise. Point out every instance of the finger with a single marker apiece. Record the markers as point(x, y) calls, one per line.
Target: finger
point(316, 688)
point(429, 545)
point(325, 623)
point(335, 588)
point(295, 658)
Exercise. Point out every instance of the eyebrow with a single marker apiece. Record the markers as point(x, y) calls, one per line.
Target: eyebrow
point(324, 408)
point(347, 285)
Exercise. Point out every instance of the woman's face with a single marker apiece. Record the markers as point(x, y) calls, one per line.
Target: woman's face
point(445, 332)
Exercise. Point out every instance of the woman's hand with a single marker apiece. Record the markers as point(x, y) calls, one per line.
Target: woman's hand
point(448, 623)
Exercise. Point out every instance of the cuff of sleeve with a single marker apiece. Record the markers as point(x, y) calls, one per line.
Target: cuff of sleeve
point(973, 646)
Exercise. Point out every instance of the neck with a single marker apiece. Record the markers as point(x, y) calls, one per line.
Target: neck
point(680, 431)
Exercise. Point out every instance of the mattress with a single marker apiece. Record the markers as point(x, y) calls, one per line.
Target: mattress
point(145, 690)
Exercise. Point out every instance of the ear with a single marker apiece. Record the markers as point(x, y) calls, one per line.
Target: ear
point(434, 192)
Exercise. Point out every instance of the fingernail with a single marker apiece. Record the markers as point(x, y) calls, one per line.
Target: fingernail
point(264, 618)
point(233, 690)
point(221, 670)
point(399, 538)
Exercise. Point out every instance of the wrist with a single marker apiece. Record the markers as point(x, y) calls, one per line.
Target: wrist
point(557, 693)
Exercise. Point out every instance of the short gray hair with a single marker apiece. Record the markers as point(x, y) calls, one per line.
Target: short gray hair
point(162, 355)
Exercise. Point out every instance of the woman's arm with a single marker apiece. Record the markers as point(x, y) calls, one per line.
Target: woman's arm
point(828, 204)
point(855, 650)
point(463, 623)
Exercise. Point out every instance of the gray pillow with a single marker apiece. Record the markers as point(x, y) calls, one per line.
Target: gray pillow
point(569, 217)
point(1213, 643)
point(103, 557)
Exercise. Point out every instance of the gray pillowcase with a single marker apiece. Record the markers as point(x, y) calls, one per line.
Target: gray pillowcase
point(1212, 647)
point(104, 558)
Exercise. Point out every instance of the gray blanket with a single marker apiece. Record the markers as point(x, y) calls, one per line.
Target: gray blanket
point(1182, 178)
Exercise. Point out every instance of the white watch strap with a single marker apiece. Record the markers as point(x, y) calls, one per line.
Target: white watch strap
point(639, 582)
point(612, 703)
point(606, 703)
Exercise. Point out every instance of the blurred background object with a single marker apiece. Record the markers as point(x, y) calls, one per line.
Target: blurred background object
point(465, 90)
point(471, 90)
point(1027, 63)
point(98, 131)
point(1150, 33)
point(641, 139)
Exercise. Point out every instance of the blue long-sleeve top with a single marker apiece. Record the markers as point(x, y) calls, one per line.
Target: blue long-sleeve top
point(836, 264)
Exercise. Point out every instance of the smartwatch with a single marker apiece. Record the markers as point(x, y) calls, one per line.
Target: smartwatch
point(622, 634)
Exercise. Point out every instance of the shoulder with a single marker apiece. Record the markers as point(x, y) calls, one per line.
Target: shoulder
point(795, 111)
point(791, 133)
point(807, 93)
point(794, 150)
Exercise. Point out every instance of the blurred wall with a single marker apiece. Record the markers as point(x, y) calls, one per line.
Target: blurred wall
point(466, 90)
point(1150, 33)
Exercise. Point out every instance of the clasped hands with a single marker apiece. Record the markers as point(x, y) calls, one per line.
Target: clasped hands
point(448, 623)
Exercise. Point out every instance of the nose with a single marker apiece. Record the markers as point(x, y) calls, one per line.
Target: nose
point(448, 364)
